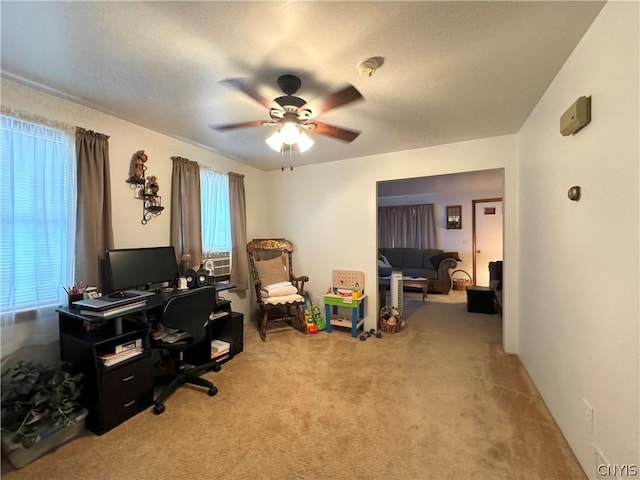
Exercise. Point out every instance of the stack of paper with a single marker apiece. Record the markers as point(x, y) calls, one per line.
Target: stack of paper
point(110, 359)
point(219, 348)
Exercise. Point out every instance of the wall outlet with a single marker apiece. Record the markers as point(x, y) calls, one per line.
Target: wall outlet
point(588, 416)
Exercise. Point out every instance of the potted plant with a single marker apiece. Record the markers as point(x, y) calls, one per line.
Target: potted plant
point(40, 410)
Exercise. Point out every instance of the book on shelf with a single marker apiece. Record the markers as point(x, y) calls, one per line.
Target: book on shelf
point(112, 312)
point(110, 359)
point(123, 347)
point(219, 346)
point(220, 356)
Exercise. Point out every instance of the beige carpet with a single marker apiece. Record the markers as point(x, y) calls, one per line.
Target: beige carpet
point(438, 400)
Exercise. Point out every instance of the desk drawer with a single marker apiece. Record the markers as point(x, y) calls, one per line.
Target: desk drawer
point(125, 391)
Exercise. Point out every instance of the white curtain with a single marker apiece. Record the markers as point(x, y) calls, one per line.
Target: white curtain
point(214, 200)
point(37, 222)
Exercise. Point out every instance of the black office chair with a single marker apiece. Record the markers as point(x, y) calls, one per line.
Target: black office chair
point(189, 312)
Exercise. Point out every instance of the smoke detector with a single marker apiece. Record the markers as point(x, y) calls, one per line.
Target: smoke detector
point(368, 67)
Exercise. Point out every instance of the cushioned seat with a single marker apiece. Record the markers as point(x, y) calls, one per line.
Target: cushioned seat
point(189, 314)
point(279, 293)
point(431, 263)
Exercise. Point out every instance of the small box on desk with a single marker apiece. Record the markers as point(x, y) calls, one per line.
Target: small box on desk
point(480, 300)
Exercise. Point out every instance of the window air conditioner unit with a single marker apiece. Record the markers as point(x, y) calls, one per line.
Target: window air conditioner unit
point(218, 264)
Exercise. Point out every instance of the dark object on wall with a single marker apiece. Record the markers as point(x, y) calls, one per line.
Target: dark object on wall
point(574, 193)
point(454, 217)
point(147, 188)
point(576, 117)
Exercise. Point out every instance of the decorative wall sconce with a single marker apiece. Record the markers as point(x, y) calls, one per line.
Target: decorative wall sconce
point(454, 217)
point(152, 202)
point(147, 188)
point(138, 167)
point(574, 193)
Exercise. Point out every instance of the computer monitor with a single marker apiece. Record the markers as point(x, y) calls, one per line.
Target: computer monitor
point(130, 268)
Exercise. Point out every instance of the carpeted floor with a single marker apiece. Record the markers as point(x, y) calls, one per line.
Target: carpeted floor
point(438, 400)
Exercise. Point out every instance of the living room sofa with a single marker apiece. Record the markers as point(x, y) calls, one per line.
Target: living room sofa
point(433, 264)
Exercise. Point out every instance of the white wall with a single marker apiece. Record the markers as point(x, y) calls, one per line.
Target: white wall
point(125, 139)
point(579, 261)
point(329, 211)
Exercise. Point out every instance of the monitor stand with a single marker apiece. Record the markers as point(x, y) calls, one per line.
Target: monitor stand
point(118, 325)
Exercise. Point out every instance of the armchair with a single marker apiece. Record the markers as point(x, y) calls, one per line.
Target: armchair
point(188, 312)
point(279, 293)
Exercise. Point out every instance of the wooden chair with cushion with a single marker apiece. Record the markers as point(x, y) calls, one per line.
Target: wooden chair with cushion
point(279, 293)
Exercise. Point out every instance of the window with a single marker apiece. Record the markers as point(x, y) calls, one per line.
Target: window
point(216, 221)
point(37, 214)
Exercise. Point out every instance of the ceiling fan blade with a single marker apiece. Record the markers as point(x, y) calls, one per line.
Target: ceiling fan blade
point(239, 85)
point(339, 133)
point(321, 105)
point(231, 126)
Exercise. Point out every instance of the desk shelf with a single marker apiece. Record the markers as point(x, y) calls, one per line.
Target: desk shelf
point(225, 325)
point(116, 393)
point(111, 394)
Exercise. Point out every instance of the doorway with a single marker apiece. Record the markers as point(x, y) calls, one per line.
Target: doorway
point(487, 234)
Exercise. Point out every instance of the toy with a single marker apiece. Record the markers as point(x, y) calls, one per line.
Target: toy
point(308, 321)
point(370, 333)
point(317, 317)
point(312, 315)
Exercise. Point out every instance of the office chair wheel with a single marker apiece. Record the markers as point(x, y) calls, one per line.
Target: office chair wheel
point(212, 391)
point(158, 408)
point(216, 368)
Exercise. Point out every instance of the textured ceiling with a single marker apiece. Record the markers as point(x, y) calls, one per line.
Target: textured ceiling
point(452, 71)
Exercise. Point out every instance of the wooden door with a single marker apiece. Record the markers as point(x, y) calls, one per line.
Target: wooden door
point(487, 237)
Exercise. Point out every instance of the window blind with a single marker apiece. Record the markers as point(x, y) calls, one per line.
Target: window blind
point(37, 214)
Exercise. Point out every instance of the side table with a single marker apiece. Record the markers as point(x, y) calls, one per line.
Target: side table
point(480, 300)
point(331, 304)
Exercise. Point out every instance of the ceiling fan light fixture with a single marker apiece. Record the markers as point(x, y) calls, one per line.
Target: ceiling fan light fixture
point(289, 133)
point(275, 141)
point(304, 142)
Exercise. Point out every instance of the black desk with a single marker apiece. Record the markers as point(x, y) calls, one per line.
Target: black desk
point(116, 393)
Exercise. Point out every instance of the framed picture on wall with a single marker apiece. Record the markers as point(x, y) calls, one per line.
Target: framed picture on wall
point(454, 217)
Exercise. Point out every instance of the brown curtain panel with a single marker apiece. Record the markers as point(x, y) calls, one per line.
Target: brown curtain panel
point(239, 270)
point(94, 231)
point(186, 226)
point(407, 226)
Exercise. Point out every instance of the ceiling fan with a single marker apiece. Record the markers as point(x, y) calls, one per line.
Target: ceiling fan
point(295, 115)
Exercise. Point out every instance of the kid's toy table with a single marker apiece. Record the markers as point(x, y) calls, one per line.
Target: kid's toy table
point(356, 304)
